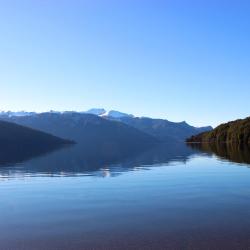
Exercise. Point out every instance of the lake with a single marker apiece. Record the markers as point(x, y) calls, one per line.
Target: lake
point(169, 197)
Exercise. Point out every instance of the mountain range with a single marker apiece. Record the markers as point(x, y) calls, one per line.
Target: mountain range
point(109, 135)
point(91, 131)
point(82, 126)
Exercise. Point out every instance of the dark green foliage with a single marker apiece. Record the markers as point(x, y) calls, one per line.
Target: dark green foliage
point(234, 132)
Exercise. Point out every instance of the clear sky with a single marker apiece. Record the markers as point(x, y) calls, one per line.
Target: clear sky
point(174, 59)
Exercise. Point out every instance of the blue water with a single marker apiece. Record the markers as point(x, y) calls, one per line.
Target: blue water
point(185, 199)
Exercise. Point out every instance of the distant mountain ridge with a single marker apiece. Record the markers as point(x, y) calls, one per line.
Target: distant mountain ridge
point(18, 113)
point(160, 129)
point(163, 130)
point(91, 131)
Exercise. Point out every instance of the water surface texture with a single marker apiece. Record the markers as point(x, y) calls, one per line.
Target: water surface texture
point(170, 197)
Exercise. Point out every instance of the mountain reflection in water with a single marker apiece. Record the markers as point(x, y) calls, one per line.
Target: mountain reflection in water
point(169, 197)
point(80, 160)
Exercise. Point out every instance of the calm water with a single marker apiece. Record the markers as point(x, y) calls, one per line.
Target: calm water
point(171, 197)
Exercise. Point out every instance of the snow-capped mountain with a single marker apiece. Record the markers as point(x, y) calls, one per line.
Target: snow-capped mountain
point(160, 129)
point(108, 114)
point(118, 114)
point(93, 111)
point(17, 114)
point(96, 111)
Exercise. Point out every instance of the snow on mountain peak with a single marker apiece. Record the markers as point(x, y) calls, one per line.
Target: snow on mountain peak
point(96, 111)
point(118, 114)
point(18, 113)
point(111, 113)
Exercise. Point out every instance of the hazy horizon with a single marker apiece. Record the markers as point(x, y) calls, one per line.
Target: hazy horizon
point(176, 60)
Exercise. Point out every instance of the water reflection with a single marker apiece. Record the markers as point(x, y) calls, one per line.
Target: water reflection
point(19, 155)
point(80, 160)
point(231, 152)
point(186, 202)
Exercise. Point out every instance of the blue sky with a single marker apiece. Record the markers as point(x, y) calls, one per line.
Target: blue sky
point(179, 60)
